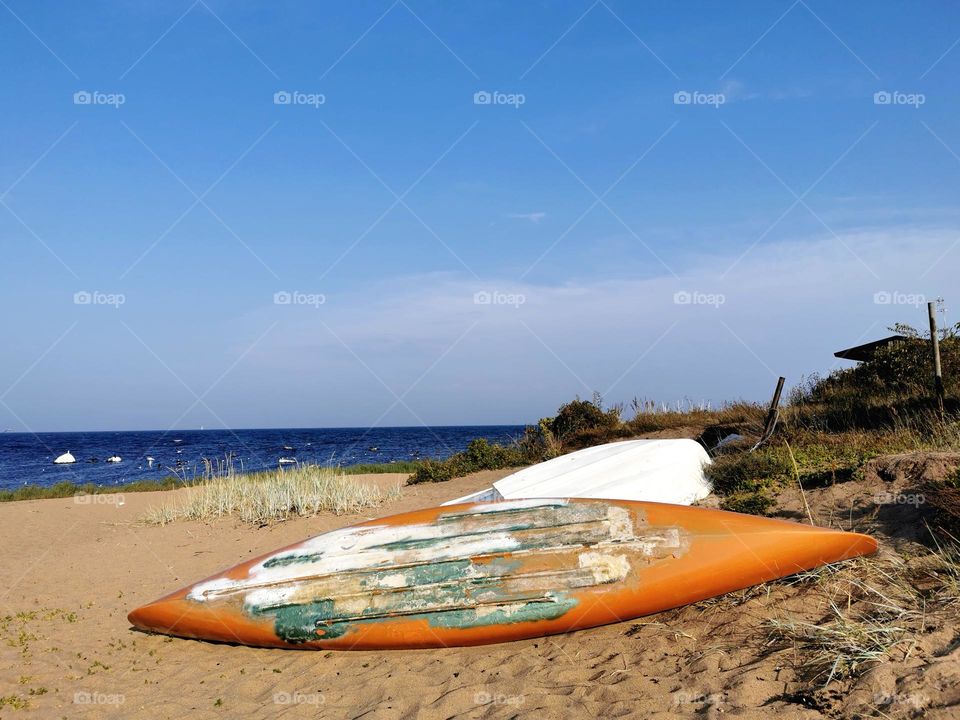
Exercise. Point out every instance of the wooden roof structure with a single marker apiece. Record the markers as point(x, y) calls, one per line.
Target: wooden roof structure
point(864, 352)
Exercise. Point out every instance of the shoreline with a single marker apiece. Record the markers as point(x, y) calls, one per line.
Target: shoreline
point(67, 488)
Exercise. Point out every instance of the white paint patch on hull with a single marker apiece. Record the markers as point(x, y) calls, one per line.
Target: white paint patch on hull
point(532, 548)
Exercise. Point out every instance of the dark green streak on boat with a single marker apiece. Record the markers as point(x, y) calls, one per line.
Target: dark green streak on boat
point(297, 624)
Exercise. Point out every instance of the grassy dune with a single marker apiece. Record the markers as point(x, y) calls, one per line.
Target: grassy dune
point(270, 496)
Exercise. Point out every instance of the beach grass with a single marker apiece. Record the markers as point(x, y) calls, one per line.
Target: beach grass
point(267, 497)
point(875, 610)
point(397, 466)
point(70, 489)
point(172, 482)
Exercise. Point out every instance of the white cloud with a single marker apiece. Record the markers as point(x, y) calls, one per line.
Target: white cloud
point(785, 308)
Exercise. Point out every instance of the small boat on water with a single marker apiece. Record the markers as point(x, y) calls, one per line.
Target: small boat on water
point(482, 573)
point(65, 459)
point(287, 461)
point(114, 458)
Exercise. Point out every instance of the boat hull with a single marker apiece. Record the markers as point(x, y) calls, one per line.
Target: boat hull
point(492, 572)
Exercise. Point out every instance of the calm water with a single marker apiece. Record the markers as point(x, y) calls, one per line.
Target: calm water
point(27, 459)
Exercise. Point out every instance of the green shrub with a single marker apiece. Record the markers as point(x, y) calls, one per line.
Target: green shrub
point(479, 455)
point(581, 415)
point(751, 503)
point(896, 382)
point(749, 471)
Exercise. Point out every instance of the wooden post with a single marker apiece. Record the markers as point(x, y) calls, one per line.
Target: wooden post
point(935, 346)
point(774, 404)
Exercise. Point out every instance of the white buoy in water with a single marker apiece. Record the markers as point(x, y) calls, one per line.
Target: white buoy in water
point(113, 458)
point(65, 458)
point(149, 461)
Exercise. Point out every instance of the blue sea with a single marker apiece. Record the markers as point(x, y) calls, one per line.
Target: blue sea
point(27, 458)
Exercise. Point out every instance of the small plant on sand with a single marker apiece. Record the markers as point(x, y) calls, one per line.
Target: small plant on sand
point(14, 701)
point(839, 646)
point(272, 496)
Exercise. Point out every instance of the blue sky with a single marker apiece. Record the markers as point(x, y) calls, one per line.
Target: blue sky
point(447, 260)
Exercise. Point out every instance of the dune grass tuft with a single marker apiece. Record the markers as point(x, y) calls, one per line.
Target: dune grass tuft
point(876, 607)
point(272, 496)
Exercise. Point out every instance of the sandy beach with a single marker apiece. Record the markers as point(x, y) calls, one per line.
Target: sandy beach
point(75, 567)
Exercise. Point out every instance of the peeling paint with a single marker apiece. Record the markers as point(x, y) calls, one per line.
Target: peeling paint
point(479, 566)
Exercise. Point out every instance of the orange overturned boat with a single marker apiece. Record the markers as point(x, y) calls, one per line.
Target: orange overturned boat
point(491, 572)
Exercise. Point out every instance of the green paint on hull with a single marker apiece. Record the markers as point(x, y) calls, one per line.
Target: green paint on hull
point(427, 581)
point(528, 612)
point(298, 624)
point(293, 560)
point(436, 585)
point(438, 572)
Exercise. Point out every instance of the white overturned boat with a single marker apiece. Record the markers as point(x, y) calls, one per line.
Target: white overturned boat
point(65, 459)
point(669, 471)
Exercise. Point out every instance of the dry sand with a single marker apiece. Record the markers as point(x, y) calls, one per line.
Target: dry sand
point(72, 570)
